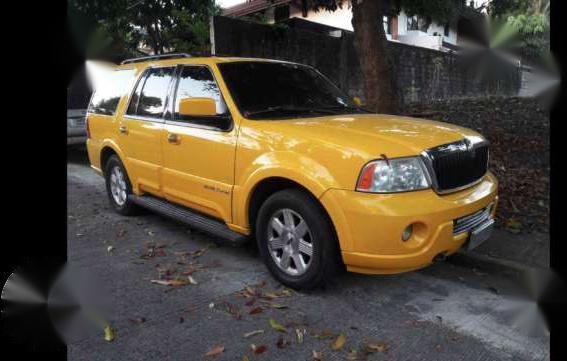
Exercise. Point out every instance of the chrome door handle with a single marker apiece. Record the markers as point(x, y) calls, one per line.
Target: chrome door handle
point(123, 130)
point(173, 138)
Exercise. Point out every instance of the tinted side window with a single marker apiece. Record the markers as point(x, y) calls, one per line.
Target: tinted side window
point(110, 87)
point(133, 105)
point(198, 82)
point(154, 92)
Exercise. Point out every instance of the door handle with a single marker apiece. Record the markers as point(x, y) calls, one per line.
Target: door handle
point(123, 130)
point(173, 138)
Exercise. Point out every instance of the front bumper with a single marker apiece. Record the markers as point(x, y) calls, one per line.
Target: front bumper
point(369, 226)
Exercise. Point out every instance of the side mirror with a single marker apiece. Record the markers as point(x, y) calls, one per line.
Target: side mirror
point(197, 107)
point(357, 101)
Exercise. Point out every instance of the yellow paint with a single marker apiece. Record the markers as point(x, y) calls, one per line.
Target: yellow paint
point(216, 172)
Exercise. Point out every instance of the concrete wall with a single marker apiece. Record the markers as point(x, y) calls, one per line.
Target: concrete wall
point(422, 74)
point(518, 131)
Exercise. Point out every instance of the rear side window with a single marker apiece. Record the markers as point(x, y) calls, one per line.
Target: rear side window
point(150, 97)
point(110, 87)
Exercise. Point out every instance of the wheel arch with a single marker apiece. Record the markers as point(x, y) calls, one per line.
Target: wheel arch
point(265, 187)
point(109, 149)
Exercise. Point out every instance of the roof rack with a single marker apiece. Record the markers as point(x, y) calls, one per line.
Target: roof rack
point(155, 57)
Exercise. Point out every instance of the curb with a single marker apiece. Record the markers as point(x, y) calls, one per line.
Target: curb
point(489, 263)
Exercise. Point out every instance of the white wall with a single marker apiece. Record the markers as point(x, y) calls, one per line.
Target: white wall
point(342, 19)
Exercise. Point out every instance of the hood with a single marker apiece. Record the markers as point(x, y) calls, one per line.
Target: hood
point(339, 146)
point(375, 134)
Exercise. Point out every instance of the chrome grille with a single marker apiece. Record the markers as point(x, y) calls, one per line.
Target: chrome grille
point(457, 165)
point(466, 223)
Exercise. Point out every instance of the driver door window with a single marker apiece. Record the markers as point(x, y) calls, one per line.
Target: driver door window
point(198, 82)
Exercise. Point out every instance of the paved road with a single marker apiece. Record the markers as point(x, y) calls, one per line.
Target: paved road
point(444, 312)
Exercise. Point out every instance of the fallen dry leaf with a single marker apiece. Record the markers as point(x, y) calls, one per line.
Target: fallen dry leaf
point(230, 308)
point(137, 321)
point(352, 355)
point(300, 333)
point(108, 334)
point(249, 291)
point(323, 335)
point(198, 253)
point(174, 282)
point(258, 349)
point(250, 302)
point(278, 294)
point(277, 326)
point(339, 342)
point(215, 351)
point(253, 333)
point(256, 310)
point(277, 306)
point(373, 347)
point(245, 358)
point(282, 343)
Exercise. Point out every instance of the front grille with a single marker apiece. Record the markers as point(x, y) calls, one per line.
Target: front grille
point(466, 223)
point(457, 165)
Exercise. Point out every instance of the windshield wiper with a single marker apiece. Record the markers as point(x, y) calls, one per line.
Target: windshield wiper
point(344, 107)
point(283, 109)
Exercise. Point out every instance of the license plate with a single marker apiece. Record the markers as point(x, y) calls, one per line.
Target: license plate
point(480, 233)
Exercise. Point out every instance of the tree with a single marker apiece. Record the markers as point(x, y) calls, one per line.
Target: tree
point(162, 25)
point(521, 26)
point(372, 45)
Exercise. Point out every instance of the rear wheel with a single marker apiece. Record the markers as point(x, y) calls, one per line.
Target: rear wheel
point(118, 187)
point(296, 240)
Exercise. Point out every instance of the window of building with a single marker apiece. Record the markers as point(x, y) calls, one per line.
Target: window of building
point(417, 22)
point(387, 21)
point(446, 30)
point(281, 13)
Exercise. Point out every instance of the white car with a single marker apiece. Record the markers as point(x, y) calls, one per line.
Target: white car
point(76, 130)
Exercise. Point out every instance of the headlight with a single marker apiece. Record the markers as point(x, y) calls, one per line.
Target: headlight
point(393, 175)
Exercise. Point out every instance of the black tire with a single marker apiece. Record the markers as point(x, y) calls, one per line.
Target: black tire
point(326, 260)
point(128, 208)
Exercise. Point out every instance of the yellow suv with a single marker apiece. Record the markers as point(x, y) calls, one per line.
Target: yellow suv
point(252, 148)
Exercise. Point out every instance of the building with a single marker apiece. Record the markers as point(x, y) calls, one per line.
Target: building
point(412, 30)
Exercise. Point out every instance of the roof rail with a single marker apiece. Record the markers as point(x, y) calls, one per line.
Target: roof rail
point(155, 57)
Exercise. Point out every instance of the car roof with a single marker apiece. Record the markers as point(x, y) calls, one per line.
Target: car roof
point(197, 60)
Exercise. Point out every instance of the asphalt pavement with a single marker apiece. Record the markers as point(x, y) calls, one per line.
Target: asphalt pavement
point(443, 312)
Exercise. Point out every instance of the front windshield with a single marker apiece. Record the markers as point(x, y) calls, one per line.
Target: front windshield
point(272, 90)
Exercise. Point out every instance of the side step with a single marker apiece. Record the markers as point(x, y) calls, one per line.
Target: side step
point(189, 217)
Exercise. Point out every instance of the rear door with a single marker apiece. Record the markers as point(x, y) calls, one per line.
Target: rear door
point(141, 128)
point(198, 152)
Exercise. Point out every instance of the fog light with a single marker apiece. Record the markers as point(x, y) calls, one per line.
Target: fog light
point(406, 234)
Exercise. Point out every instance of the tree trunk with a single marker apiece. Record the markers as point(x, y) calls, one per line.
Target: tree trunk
point(372, 47)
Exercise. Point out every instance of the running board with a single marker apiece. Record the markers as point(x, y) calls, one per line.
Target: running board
point(189, 217)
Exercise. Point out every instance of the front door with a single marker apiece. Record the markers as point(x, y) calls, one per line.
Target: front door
point(141, 128)
point(198, 152)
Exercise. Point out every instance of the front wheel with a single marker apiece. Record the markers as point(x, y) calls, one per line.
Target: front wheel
point(296, 240)
point(118, 187)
